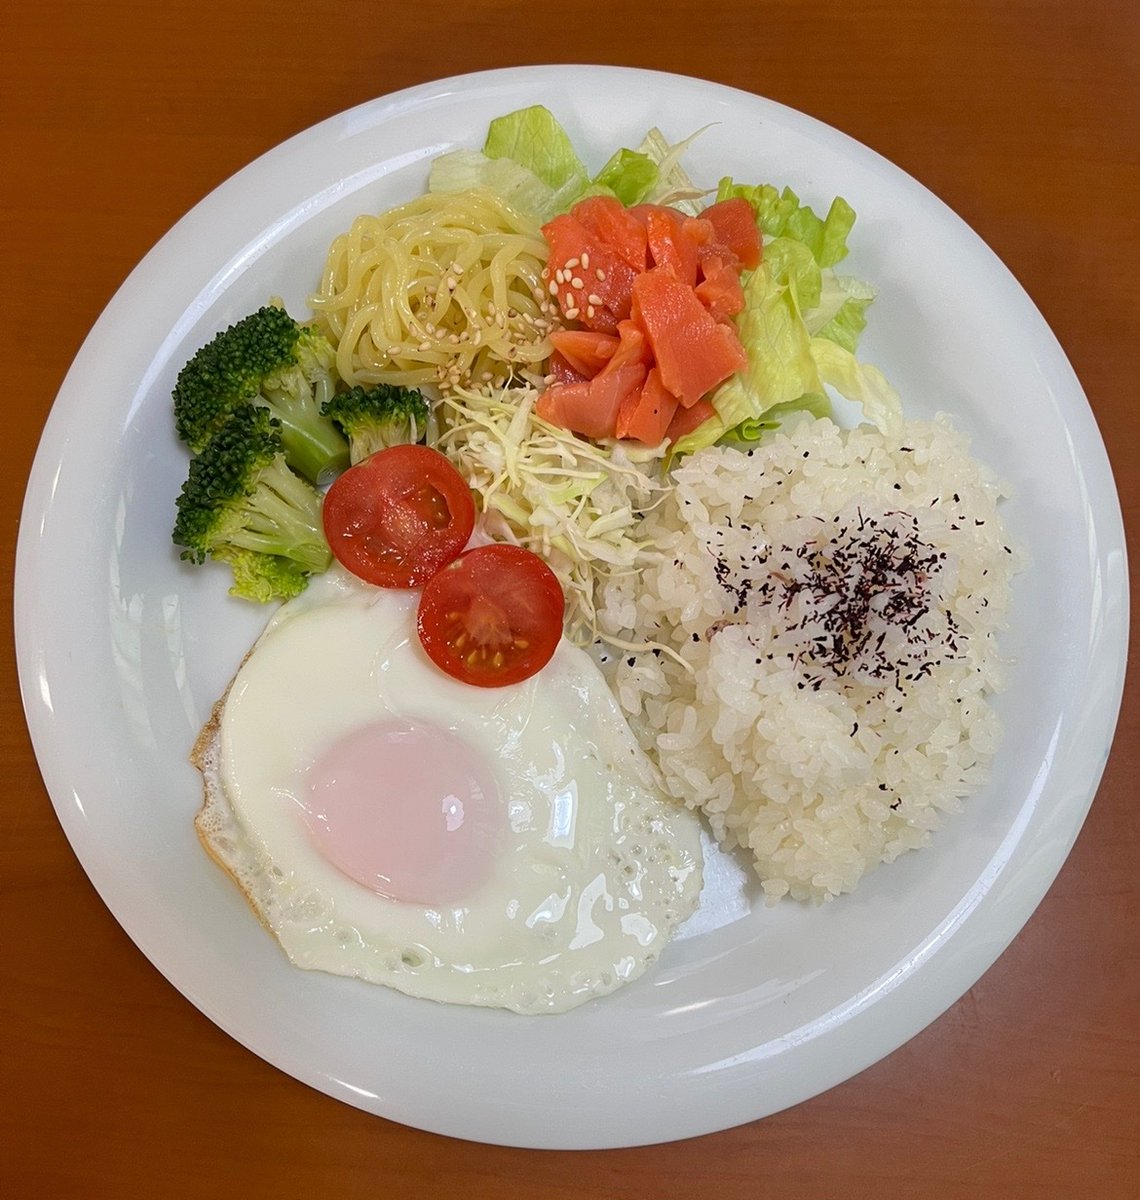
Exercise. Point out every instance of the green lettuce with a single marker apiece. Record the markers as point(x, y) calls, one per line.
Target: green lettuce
point(781, 376)
point(516, 185)
point(831, 305)
point(529, 161)
point(841, 314)
point(752, 429)
point(800, 325)
point(533, 138)
point(629, 175)
point(860, 382)
point(780, 214)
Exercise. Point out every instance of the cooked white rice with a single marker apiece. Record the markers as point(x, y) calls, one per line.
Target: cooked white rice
point(835, 596)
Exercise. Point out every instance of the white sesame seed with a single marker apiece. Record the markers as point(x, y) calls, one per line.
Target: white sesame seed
point(570, 264)
point(457, 268)
point(600, 274)
point(577, 283)
point(585, 261)
point(589, 310)
point(594, 298)
point(553, 288)
point(571, 313)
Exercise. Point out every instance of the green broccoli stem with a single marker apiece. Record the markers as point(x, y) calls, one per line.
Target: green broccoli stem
point(309, 557)
point(315, 449)
point(285, 519)
point(366, 442)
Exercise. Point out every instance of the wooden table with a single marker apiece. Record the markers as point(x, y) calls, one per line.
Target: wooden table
point(1025, 118)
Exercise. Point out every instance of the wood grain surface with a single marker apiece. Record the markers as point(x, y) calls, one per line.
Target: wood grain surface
point(118, 117)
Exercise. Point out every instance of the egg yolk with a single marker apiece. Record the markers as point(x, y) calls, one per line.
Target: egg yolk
point(406, 809)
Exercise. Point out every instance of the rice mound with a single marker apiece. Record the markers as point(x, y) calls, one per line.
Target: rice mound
point(835, 596)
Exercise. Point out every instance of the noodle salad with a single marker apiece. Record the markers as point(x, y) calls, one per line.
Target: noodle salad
point(446, 291)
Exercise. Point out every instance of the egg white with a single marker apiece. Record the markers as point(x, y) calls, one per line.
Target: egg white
point(596, 869)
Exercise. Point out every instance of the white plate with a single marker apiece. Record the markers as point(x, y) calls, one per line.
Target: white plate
point(122, 649)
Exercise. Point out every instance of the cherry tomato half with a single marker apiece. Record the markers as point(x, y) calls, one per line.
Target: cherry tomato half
point(493, 616)
point(398, 516)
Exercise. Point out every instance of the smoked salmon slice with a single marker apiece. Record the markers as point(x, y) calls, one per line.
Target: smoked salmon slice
point(693, 350)
point(651, 293)
point(591, 409)
point(586, 350)
point(646, 414)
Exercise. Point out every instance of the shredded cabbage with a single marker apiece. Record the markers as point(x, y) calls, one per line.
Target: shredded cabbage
point(577, 505)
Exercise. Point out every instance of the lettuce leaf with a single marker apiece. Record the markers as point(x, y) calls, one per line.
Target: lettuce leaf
point(780, 365)
point(862, 383)
point(529, 161)
point(533, 138)
point(629, 175)
point(800, 327)
point(780, 214)
point(791, 264)
point(841, 314)
point(781, 370)
point(516, 185)
point(752, 430)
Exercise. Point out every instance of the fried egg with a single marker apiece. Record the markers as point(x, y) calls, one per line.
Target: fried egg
point(501, 847)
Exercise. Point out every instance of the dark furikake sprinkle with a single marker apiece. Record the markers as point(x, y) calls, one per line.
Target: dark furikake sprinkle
point(859, 579)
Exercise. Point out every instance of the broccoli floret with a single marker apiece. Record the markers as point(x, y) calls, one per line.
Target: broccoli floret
point(378, 417)
point(242, 504)
point(263, 577)
point(266, 358)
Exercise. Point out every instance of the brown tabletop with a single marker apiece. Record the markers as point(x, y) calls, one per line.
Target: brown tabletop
point(1025, 118)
